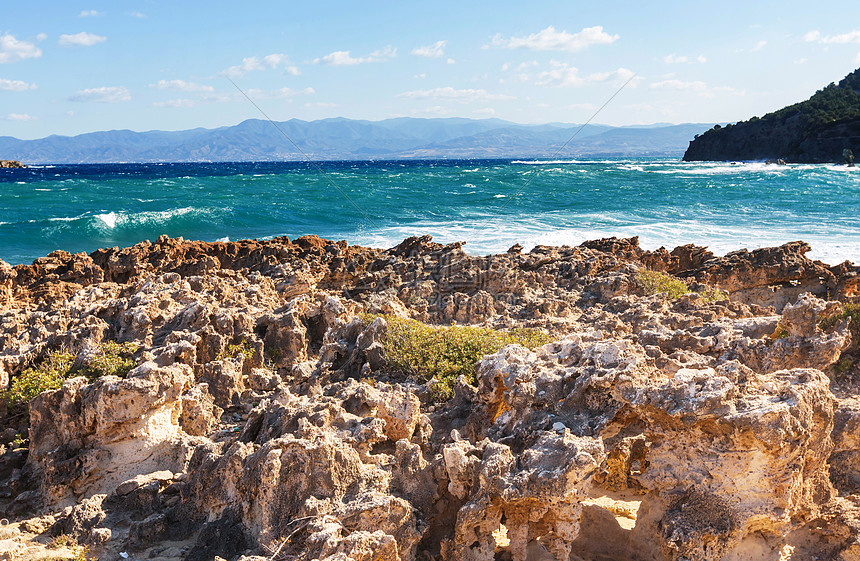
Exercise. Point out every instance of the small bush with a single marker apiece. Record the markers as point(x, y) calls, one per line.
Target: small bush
point(49, 375)
point(242, 348)
point(781, 332)
point(61, 541)
point(440, 354)
point(111, 359)
point(850, 312)
point(654, 282)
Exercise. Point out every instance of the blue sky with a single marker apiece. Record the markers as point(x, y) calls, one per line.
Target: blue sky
point(73, 67)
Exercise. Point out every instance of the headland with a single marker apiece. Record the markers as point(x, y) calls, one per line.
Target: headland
point(307, 399)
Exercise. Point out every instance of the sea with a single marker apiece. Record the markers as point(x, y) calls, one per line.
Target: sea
point(489, 204)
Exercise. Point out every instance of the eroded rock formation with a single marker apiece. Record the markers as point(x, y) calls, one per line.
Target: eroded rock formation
point(262, 418)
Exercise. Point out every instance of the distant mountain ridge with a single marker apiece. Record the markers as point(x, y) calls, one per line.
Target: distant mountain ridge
point(349, 139)
point(817, 130)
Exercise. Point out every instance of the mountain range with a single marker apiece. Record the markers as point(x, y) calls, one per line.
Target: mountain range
point(348, 139)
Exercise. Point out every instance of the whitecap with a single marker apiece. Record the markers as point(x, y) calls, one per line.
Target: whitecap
point(109, 219)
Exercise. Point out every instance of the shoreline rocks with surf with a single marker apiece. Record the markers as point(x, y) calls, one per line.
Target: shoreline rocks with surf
point(261, 415)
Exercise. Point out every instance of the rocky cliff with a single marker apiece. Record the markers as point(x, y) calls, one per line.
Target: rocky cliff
point(261, 416)
point(11, 164)
point(818, 130)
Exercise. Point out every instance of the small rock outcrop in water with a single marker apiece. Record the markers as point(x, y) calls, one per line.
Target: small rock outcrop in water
point(261, 418)
point(823, 129)
point(11, 164)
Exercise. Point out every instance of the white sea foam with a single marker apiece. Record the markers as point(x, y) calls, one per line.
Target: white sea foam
point(108, 219)
point(66, 218)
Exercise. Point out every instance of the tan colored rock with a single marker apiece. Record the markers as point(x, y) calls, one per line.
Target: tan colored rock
point(88, 438)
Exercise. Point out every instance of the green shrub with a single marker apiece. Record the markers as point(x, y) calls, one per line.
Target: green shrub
point(440, 354)
point(243, 348)
point(850, 312)
point(114, 359)
point(654, 282)
point(49, 375)
point(111, 359)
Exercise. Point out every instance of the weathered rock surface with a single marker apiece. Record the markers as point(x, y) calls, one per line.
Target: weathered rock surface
point(11, 164)
point(262, 418)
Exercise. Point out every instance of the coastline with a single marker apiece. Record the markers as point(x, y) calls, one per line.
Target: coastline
point(263, 411)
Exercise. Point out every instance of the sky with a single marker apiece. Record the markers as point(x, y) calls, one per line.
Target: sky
point(71, 67)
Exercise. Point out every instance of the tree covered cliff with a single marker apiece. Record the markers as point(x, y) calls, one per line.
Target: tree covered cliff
point(817, 130)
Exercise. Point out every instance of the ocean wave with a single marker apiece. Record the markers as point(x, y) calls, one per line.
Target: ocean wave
point(110, 220)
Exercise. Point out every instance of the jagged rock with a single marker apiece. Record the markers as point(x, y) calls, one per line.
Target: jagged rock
point(88, 438)
point(264, 415)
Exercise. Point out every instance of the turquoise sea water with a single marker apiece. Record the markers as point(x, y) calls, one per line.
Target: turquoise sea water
point(490, 204)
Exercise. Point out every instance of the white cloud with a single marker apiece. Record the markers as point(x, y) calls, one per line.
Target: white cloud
point(679, 85)
point(90, 13)
point(15, 85)
point(268, 62)
point(82, 39)
point(450, 94)
point(340, 58)
point(17, 117)
point(857, 59)
point(451, 61)
point(436, 50)
point(176, 103)
point(817, 37)
point(137, 15)
point(758, 46)
point(672, 59)
point(344, 58)
point(182, 86)
point(420, 76)
point(13, 50)
point(41, 36)
point(551, 40)
point(485, 111)
point(582, 106)
point(105, 94)
point(562, 74)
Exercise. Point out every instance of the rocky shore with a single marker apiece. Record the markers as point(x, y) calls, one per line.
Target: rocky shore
point(261, 416)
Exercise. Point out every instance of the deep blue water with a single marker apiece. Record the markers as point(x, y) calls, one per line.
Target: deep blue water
point(491, 204)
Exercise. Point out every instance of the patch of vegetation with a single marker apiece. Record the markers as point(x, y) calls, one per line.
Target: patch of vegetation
point(111, 359)
point(241, 348)
point(440, 354)
point(850, 312)
point(843, 365)
point(781, 332)
point(61, 541)
point(114, 359)
point(79, 552)
point(49, 375)
point(654, 282)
